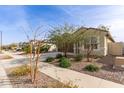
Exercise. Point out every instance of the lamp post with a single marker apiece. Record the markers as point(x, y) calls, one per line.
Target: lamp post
point(1, 41)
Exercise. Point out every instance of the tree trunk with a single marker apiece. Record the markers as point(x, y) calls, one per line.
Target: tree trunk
point(65, 54)
point(88, 57)
point(88, 54)
point(65, 50)
point(31, 62)
point(89, 51)
point(36, 64)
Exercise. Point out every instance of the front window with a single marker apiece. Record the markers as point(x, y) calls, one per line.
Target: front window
point(91, 43)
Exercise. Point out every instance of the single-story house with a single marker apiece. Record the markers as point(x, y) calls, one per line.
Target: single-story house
point(101, 41)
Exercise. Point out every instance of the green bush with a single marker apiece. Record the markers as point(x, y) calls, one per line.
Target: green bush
point(92, 68)
point(49, 59)
point(62, 58)
point(64, 62)
point(44, 48)
point(26, 49)
point(78, 57)
point(59, 56)
point(20, 71)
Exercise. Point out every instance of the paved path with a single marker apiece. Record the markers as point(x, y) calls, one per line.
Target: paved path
point(66, 75)
point(4, 81)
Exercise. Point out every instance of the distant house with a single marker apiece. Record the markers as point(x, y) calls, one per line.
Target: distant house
point(51, 46)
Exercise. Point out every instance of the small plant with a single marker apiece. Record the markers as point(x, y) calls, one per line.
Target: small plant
point(92, 68)
point(64, 62)
point(49, 59)
point(20, 71)
point(59, 56)
point(78, 57)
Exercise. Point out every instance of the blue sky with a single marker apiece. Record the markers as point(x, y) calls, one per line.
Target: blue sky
point(13, 18)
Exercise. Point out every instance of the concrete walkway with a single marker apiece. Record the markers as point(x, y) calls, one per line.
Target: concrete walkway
point(4, 64)
point(80, 79)
point(4, 81)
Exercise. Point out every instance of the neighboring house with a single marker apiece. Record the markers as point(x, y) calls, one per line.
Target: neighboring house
point(101, 42)
point(52, 46)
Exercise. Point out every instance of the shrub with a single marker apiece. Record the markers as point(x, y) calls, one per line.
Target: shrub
point(92, 68)
point(62, 58)
point(78, 57)
point(44, 48)
point(64, 62)
point(20, 71)
point(59, 56)
point(49, 59)
point(26, 49)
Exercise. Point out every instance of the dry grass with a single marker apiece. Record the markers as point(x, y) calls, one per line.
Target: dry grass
point(61, 85)
point(7, 57)
point(20, 71)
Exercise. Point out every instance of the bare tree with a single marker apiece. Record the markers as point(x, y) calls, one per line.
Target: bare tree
point(35, 44)
point(89, 47)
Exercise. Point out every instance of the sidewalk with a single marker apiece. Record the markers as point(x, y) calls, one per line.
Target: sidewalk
point(80, 79)
point(13, 55)
point(4, 81)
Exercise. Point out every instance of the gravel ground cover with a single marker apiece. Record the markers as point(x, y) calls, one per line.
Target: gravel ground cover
point(106, 71)
point(43, 81)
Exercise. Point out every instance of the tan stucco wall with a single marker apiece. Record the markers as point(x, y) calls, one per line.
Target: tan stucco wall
point(108, 40)
point(106, 45)
point(116, 49)
point(101, 40)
